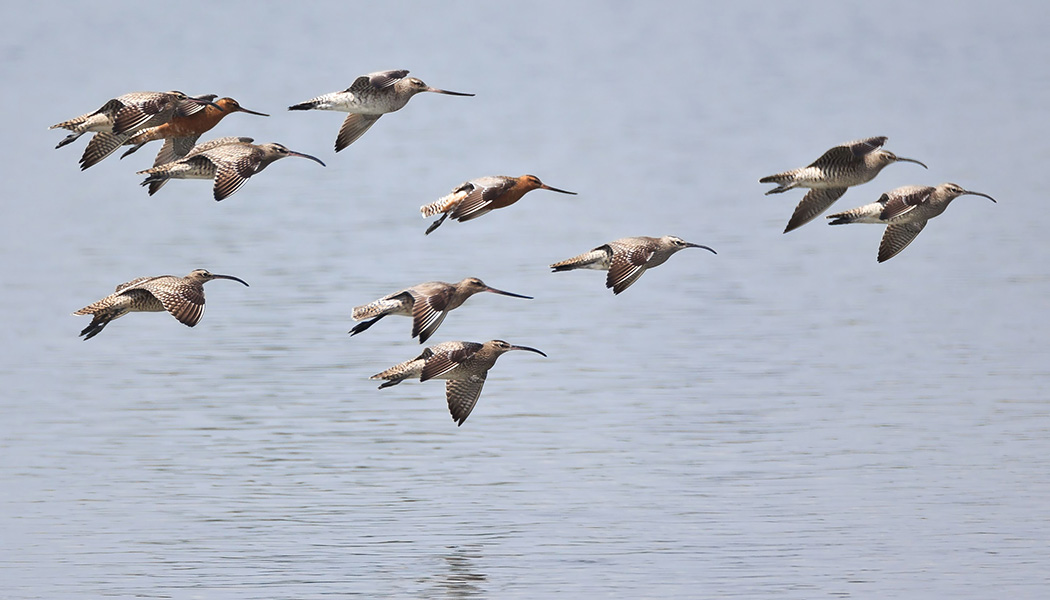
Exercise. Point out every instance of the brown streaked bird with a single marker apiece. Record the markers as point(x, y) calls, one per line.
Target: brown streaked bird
point(471, 199)
point(427, 303)
point(182, 132)
point(904, 211)
point(368, 98)
point(132, 112)
point(229, 164)
point(155, 186)
point(183, 297)
point(828, 177)
point(464, 366)
point(627, 258)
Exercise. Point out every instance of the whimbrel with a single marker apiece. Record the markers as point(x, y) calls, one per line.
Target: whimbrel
point(627, 258)
point(370, 97)
point(471, 199)
point(464, 366)
point(131, 112)
point(182, 132)
point(828, 177)
point(427, 303)
point(230, 164)
point(154, 186)
point(904, 211)
point(183, 297)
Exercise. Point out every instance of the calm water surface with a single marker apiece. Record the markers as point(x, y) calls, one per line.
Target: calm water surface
point(785, 419)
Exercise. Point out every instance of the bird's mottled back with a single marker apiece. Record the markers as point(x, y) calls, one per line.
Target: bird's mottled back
point(183, 297)
point(626, 259)
point(464, 366)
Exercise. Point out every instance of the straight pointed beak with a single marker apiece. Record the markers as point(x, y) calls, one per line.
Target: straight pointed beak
point(503, 293)
point(437, 91)
point(911, 160)
point(528, 349)
point(301, 155)
point(250, 112)
point(231, 277)
point(968, 192)
point(544, 186)
point(692, 245)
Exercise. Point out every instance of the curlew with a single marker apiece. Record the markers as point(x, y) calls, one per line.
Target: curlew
point(904, 211)
point(464, 366)
point(627, 258)
point(427, 303)
point(828, 177)
point(183, 297)
point(230, 164)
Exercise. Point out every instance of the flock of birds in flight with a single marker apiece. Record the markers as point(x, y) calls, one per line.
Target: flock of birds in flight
point(179, 120)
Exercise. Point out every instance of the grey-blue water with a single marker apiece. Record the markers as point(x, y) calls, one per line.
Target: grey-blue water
point(786, 419)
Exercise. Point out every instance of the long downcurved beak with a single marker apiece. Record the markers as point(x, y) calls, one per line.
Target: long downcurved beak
point(528, 349)
point(692, 245)
point(231, 277)
point(911, 160)
point(503, 293)
point(301, 155)
point(968, 192)
point(544, 186)
point(437, 91)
